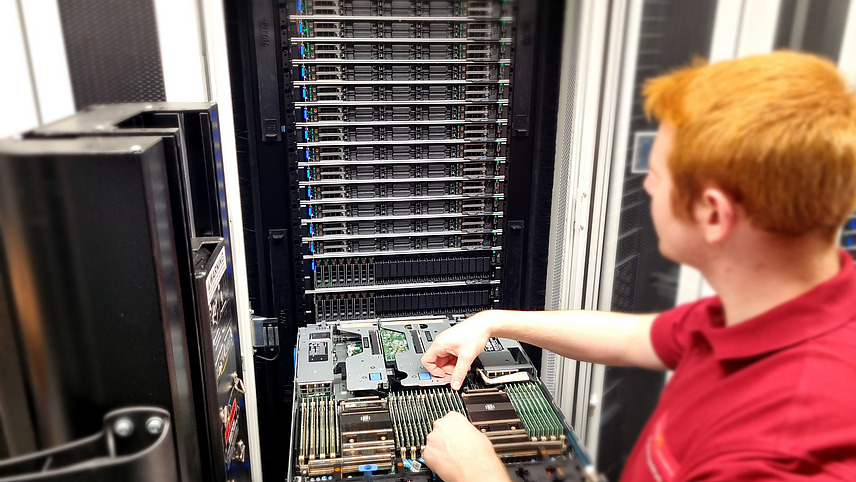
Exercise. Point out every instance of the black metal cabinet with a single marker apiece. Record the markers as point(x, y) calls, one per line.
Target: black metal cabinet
point(118, 265)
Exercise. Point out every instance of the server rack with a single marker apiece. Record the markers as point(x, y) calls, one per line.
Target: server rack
point(209, 419)
point(401, 166)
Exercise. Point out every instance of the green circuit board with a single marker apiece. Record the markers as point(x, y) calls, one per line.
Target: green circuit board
point(393, 342)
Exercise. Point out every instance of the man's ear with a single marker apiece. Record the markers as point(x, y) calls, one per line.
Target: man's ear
point(716, 214)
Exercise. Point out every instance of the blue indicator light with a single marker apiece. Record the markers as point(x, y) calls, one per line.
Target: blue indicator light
point(302, 73)
point(313, 266)
point(852, 224)
point(305, 115)
point(302, 50)
point(299, 6)
point(309, 191)
point(307, 154)
point(304, 93)
point(310, 230)
point(305, 135)
point(849, 241)
point(310, 212)
point(312, 248)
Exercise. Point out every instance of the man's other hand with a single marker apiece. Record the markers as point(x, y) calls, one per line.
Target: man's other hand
point(458, 452)
point(454, 350)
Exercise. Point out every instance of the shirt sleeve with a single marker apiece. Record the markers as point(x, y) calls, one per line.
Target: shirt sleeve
point(669, 332)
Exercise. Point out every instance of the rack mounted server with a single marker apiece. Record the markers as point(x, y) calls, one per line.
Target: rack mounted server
point(364, 405)
point(402, 114)
point(395, 166)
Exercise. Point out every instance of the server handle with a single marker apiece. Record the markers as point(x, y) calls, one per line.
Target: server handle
point(136, 444)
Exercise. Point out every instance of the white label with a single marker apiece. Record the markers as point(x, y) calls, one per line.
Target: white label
point(216, 274)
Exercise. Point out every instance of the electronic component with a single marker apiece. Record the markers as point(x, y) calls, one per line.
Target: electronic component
point(417, 336)
point(414, 413)
point(502, 356)
point(492, 412)
point(366, 368)
point(320, 439)
point(367, 435)
point(315, 360)
point(375, 421)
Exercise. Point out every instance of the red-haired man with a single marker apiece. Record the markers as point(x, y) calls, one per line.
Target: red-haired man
point(752, 173)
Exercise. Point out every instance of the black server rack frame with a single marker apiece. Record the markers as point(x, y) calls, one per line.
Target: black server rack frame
point(268, 144)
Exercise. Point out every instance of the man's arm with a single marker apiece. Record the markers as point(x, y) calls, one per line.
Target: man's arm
point(592, 336)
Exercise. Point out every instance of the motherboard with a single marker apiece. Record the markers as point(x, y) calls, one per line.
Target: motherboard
point(365, 404)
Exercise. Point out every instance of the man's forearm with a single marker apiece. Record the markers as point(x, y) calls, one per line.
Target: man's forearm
point(593, 336)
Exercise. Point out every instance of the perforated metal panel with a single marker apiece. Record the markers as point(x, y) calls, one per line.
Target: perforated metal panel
point(113, 51)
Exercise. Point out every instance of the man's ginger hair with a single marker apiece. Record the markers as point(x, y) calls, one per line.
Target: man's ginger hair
point(777, 132)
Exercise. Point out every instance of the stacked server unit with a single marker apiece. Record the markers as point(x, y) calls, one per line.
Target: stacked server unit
point(402, 117)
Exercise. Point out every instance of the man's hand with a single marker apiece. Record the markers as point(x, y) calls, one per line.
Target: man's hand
point(457, 451)
point(454, 350)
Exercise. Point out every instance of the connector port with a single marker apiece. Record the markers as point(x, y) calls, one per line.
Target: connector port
point(331, 134)
point(328, 93)
point(328, 51)
point(327, 29)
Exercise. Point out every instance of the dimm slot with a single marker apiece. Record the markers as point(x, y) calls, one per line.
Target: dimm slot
point(396, 422)
point(550, 413)
point(304, 448)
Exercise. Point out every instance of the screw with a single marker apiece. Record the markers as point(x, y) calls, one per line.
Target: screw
point(123, 427)
point(154, 425)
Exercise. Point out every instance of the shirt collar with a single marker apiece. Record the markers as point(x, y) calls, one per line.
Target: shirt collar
point(820, 310)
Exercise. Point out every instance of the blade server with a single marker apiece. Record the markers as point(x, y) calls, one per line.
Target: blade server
point(402, 113)
point(364, 406)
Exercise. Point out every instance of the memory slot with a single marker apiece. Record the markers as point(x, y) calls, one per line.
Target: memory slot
point(414, 413)
point(539, 419)
point(320, 438)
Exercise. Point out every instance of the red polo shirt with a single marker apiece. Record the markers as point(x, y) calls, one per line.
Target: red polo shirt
point(772, 398)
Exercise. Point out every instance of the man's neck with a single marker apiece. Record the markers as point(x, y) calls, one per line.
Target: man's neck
point(757, 280)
